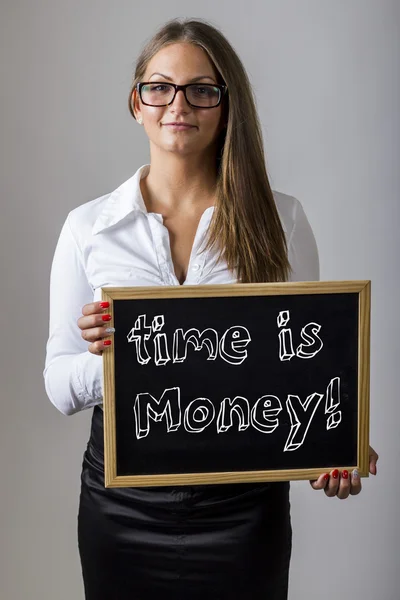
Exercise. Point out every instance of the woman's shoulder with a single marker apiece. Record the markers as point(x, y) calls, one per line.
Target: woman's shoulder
point(288, 208)
point(303, 250)
point(80, 221)
point(94, 216)
point(86, 214)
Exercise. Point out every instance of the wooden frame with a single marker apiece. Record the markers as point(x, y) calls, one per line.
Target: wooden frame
point(362, 288)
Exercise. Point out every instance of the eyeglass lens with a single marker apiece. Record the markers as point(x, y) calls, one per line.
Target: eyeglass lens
point(198, 95)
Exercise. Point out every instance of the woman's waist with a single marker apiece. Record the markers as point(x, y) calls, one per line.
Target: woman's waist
point(207, 493)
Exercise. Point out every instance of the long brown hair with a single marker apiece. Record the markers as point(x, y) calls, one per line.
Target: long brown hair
point(245, 228)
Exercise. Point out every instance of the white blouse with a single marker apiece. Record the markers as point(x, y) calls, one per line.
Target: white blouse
point(114, 241)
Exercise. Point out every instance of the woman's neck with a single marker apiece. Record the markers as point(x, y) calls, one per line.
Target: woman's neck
point(179, 184)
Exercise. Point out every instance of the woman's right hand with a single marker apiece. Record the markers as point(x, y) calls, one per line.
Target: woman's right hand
point(95, 326)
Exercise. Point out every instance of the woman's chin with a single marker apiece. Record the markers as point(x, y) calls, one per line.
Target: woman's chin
point(180, 148)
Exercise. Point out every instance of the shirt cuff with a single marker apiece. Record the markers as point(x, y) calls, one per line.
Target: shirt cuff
point(87, 380)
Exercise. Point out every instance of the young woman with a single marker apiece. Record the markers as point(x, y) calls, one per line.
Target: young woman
point(202, 212)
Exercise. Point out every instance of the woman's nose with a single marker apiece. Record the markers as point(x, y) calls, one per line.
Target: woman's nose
point(180, 100)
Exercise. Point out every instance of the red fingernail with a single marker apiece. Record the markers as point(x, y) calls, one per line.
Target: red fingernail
point(335, 474)
point(106, 317)
point(104, 304)
point(345, 474)
point(326, 476)
point(107, 343)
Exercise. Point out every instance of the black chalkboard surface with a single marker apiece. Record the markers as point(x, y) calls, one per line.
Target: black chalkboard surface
point(229, 383)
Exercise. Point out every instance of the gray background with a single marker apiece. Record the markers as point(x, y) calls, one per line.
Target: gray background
point(326, 77)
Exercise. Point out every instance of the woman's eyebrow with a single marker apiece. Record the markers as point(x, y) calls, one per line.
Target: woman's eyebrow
point(190, 81)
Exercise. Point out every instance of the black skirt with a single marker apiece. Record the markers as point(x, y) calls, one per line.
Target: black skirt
point(210, 542)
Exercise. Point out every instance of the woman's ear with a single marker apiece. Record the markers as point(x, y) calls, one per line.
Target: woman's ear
point(135, 104)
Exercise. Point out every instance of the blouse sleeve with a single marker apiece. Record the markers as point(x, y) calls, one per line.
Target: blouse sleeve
point(73, 376)
point(302, 248)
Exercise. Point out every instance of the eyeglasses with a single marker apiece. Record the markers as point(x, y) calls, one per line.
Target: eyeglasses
point(198, 95)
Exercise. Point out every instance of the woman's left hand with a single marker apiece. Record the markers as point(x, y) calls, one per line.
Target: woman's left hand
point(344, 484)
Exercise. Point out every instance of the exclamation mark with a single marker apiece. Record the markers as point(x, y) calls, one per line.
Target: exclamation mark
point(332, 402)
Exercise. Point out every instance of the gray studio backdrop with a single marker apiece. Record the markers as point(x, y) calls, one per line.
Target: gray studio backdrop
point(326, 77)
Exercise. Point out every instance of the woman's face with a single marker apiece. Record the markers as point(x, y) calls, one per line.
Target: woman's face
point(180, 63)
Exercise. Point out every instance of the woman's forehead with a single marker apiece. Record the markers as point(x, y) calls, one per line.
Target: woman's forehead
point(181, 59)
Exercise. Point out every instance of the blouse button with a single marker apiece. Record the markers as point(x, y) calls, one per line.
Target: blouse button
point(196, 267)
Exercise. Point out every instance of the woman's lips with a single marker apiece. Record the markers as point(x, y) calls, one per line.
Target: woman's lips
point(178, 127)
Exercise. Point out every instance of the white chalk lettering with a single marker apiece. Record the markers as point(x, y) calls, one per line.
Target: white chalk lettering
point(263, 412)
point(334, 419)
point(208, 338)
point(283, 318)
point(314, 342)
point(263, 416)
point(232, 343)
point(231, 346)
point(301, 414)
point(158, 323)
point(240, 406)
point(309, 334)
point(147, 407)
point(286, 351)
point(332, 403)
point(139, 334)
point(161, 354)
point(199, 414)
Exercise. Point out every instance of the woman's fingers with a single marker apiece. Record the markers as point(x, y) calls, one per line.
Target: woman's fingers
point(320, 483)
point(373, 459)
point(332, 486)
point(338, 484)
point(95, 326)
point(95, 307)
point(99, 346)
point(94, 320)
point(94, 315)
point(355, 483)
point(96, 333)
point(344, 485)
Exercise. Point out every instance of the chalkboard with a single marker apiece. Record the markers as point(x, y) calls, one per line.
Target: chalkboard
point(236, 383)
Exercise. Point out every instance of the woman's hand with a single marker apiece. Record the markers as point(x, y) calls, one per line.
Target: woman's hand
point(344, 484)
point(95, 326)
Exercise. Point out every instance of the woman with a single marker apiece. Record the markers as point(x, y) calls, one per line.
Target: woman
point(206, 182)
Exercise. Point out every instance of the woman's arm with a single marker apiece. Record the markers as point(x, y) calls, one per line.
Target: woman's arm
point(303, 257)
point(73, 376)
point(302, 248)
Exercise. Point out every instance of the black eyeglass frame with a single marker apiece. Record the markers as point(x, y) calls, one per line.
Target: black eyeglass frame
point(222, 89)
